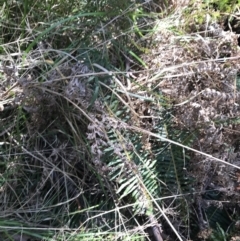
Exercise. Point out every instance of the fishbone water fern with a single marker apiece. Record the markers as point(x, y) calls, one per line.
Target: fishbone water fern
point(140, 169)
point(120, 155)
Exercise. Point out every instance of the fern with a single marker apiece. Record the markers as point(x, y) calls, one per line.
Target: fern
point(139, 168)
point(122, 157)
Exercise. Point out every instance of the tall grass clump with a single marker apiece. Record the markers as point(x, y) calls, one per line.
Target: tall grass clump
point(117, 122)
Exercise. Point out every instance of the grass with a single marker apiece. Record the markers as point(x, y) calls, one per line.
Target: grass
point(107, 109)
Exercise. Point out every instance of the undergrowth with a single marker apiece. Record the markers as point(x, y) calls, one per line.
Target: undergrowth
point(119, 120)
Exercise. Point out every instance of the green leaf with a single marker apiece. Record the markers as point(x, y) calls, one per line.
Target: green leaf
point(130, 188)
point(131, 181)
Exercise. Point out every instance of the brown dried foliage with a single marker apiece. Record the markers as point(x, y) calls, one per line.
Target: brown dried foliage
point(200, 75)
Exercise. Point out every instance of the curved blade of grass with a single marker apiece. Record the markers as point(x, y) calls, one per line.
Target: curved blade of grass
point(55, 25)
point(138, 59)
point(95, 95)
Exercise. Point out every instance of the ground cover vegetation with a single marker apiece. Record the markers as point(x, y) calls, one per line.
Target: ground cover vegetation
point(119, 120)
